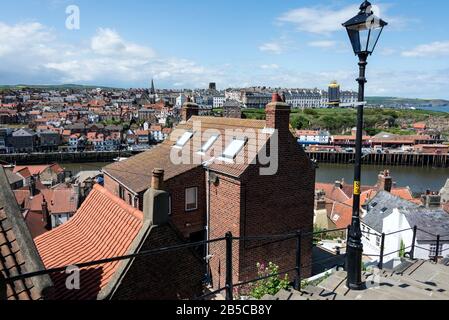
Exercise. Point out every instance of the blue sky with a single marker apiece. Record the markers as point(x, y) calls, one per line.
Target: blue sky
point(232, 42)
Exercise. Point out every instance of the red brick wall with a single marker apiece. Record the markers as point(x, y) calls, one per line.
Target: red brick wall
point(225, 199)
point(279, 204)
point(263, 205)
point(191, 221)
point(185, 222)
point(113, 186)
point(172, 275)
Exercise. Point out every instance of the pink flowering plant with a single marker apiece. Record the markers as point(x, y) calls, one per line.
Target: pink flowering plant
point(271, 285)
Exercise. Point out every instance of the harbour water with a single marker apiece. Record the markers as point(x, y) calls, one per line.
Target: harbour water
point(437, 109)
point(417, 178)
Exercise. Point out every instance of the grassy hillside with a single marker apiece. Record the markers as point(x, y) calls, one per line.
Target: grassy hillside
point(392, 101)
point(342, 120)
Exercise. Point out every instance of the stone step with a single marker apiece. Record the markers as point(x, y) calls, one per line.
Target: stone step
point(435, 292)
point(318, 293)
point(334, 282)
point(407, 291)
point(296, 295)
point(283, 295)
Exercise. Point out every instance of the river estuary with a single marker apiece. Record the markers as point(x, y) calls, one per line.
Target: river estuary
point(418, 179)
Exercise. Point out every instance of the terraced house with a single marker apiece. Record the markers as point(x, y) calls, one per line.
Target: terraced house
point(215, 192)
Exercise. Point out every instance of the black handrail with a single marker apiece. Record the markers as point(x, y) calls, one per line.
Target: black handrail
point(109, 260)
point(229, 238)
point(396, 232)
point(240, 284)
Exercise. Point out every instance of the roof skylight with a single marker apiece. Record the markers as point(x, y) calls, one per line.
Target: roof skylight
point(208, 144)
point(233, 149)
point(184, 139)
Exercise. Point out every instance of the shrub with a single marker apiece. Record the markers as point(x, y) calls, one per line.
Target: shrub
point(270, 285)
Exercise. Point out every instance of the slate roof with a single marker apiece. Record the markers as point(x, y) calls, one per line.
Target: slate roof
point(381, 206)
point(232, 104)
point(13, 177)
point(433, 221)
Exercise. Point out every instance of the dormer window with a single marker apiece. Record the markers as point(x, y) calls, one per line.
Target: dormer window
point(233, 149)
point(208, 144)
point(182, 141)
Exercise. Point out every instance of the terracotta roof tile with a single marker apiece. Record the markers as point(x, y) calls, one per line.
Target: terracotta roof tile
point(341, 215)
point(332, 192)
point(104, 227)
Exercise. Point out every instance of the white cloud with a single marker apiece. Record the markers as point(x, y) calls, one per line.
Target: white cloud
point(325, 20)
point(109, 42)
point(323, 44)
point(318, 19)
point(269, 66)
point(25, 37)
point(31, 52)
point(434, 49)
point(272, 47)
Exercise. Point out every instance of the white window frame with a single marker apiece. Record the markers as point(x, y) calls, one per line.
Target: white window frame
point(187, 209)
point(433, 250)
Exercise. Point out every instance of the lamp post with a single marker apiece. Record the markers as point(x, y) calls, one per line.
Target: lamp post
point(364, 31)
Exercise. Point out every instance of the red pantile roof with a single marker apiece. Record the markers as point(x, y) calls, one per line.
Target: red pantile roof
point(332, 192)
point(36, 170)
point(104, 227)
point(341, 215)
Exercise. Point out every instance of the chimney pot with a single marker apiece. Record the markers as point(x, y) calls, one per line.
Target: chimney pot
point(157, 179)
point(385, 181)
point(189, 109)
point(278, 114)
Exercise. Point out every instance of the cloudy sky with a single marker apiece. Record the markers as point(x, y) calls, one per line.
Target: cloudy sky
point(179, 43)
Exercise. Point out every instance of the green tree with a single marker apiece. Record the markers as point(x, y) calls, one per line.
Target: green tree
point(299, 122)
point(311, 112)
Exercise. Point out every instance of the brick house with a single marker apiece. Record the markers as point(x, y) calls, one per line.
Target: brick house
point(224, 194)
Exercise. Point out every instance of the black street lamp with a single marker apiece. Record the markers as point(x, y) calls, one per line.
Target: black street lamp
point(364, 31)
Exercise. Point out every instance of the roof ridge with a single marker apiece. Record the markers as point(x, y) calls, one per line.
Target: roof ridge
point(123, 204)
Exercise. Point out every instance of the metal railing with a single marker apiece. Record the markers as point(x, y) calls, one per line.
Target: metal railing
point(410, 254)
point(229, 240)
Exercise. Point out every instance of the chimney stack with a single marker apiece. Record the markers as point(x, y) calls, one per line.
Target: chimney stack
point(32, 186)
point(385, 181)
point(156, 200)
point(189, 109)
point(46, 215)
point(431, 200)
point(320, 202)
point(338, 184)
point(278, 114)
